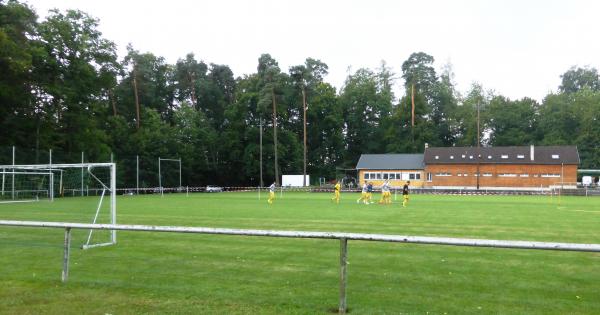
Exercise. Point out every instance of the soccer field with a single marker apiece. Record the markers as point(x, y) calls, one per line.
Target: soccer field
point(185, 273)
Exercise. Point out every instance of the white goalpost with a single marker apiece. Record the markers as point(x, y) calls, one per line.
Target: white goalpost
point(160, 177)
point(63, 180)
point(26, 186)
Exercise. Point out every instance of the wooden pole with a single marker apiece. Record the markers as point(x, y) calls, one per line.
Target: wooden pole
point(137, 100)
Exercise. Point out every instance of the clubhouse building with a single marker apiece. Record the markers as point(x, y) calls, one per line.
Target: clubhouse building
point(470, 167)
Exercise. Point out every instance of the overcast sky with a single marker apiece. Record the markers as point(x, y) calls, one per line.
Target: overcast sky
point(517, 48)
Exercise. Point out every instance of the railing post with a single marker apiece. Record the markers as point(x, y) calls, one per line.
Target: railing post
point(65, 271)
point(343, 271)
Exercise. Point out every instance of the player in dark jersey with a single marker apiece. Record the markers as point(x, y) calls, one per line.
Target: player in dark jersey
point(405, 194)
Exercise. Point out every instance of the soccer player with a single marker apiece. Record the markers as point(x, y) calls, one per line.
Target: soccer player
point(363, 195)
point(405, 194)
point(336, 195)
point(385, 193)
point(271, 193)
point(369, 192)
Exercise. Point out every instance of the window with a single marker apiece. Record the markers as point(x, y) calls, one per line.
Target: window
point(487, 175)
point(385, 175)
point(459, 174)
point(463, 156)
point(470, 157)
point(443, 174)
point(437, 157)
point(507, 175)
point(378, 176)
point(428, 177)
point(489, 157)
point(367, 175)
point(452, 157)
point(504, 156)
point(524, 175)
point(550, 175)
point(392, 176)
point(520, 156)
point(411, 176)
point(555, 156)
point(417, 175)
point(398, 175)
point(465, 174)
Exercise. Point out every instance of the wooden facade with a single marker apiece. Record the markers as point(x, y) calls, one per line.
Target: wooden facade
point(501, 167)
point(499, 175)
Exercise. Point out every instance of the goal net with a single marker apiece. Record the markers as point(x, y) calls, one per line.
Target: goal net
point(90, 188)
point(25, 185)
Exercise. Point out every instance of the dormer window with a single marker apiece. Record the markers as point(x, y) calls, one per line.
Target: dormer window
point(452, 157)
point(437, 157)
point(504, 156)
point(463, 156)
point(489, 157)
point(555, 156)
point(520, 156)
point(470, 157)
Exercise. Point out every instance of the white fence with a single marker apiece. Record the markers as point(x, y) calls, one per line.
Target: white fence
point(342, 237)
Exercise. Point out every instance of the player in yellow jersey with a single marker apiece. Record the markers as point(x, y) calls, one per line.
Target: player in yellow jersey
point(363, 194)
point(385, 193)
point(336, 195)
point(271, 193)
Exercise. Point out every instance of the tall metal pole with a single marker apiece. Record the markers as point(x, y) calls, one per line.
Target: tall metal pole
point(113, 200)
point(180, 172)
point(13, 175)
point(304, 104)
point(81, 173)
point(478, 151)
point(51, 176)
point(261, 154)
point(159, 179)
point(137, 174)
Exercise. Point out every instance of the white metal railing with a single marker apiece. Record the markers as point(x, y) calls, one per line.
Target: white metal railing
point(343, 237)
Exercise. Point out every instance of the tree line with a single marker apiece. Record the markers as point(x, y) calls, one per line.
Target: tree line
point(62, 86)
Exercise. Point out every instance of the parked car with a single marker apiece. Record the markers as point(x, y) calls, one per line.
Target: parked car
point(212, 188)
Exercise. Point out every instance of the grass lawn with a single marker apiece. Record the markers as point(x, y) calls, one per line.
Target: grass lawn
point(161, 273)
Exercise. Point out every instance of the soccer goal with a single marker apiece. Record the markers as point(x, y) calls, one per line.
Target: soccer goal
point(93, 183)
point(26, 186)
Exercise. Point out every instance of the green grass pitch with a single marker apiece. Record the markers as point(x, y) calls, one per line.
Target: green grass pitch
point(158, 273)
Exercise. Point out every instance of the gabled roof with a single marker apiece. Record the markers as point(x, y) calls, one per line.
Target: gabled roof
point(390, 162)
point(503, 155)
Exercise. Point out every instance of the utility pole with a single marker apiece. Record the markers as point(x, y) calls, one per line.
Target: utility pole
point(275, 136)
point(304, 103)
point(261, 154)
point(137, 100)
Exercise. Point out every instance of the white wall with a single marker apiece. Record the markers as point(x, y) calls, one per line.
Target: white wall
point(294, 180)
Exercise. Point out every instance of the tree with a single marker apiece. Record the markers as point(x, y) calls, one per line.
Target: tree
point(512, 123)
point(577, 78)
point(306, 77)
point(270, 78)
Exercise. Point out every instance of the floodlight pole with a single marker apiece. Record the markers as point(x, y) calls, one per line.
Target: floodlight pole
point(261, 155)
point(82, 173)
point(159, 179)
point(13, 175)
point(179, 172)
point(137, 174)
